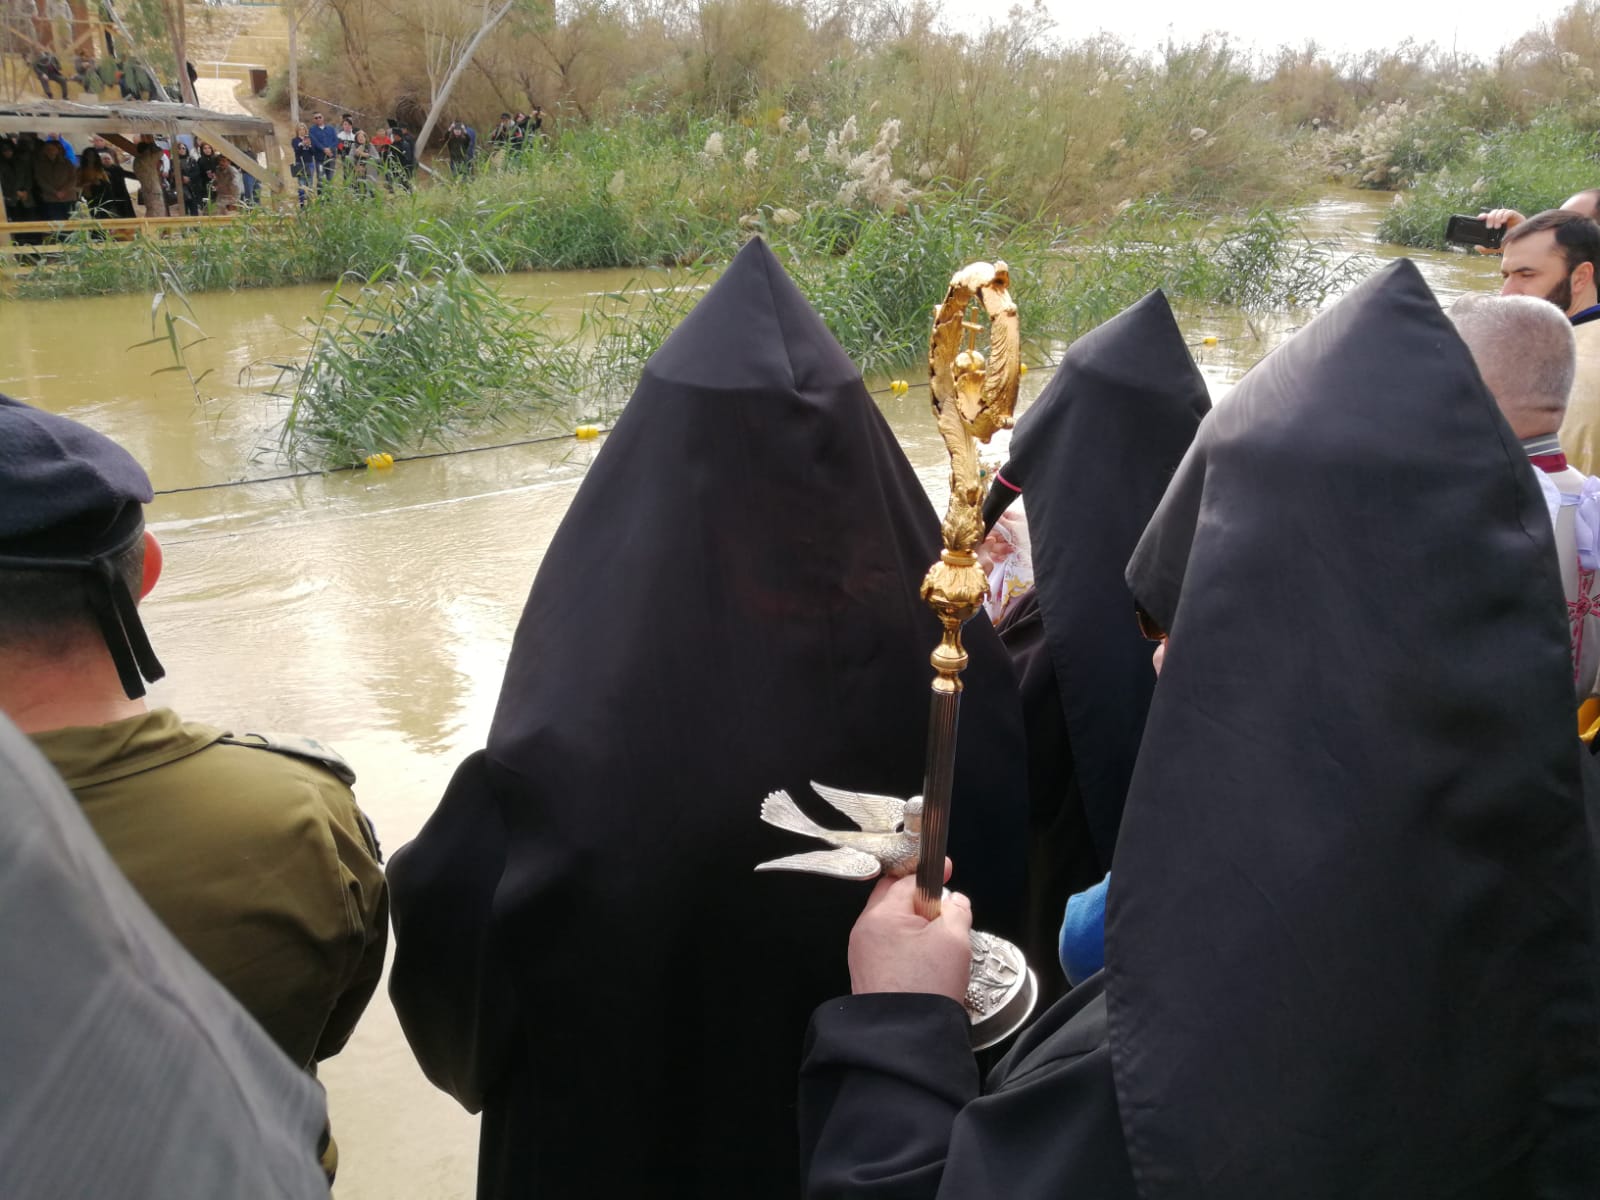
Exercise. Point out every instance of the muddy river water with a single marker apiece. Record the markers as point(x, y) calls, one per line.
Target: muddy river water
point(375, 609)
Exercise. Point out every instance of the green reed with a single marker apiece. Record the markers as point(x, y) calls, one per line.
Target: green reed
point(415, 356)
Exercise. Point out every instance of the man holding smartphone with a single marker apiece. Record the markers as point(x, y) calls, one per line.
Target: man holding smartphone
point(1585, 203)
point(1554, 256)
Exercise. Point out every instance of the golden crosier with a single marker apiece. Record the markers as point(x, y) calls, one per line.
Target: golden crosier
point(974, 396)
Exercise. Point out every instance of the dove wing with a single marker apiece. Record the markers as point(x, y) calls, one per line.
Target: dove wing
point(841, 864)
point(872, 814)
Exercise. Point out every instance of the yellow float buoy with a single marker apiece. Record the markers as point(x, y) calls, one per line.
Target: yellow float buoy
point(587, 433)
point(1209, 340)
point(899, 387)
point(379, 462)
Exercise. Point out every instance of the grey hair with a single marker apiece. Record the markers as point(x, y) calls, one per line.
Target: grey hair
point(1524, 349)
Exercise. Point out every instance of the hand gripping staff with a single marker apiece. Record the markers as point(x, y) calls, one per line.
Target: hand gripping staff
point(973, 398)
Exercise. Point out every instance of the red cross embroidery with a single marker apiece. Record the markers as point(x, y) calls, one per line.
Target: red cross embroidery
point(1585, 606)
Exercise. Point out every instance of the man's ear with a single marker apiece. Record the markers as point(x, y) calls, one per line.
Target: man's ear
point(152, 564)
point(1582, 275)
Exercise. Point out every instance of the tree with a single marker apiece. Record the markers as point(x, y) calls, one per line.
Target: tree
point(298, 14)
point(451, 35)
point(177, 21)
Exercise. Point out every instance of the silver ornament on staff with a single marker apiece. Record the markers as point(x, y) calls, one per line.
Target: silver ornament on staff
point(974, 397)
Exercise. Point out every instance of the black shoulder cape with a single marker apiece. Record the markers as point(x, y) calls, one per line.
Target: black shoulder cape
point(730, 606)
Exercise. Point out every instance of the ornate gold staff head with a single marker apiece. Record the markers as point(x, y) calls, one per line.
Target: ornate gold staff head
point(980, 391)
point(974, 396)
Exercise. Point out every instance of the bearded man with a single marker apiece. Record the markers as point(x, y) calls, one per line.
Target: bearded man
point(1553, 256)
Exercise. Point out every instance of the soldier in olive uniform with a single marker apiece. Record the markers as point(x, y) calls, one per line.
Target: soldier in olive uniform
point(250, 848)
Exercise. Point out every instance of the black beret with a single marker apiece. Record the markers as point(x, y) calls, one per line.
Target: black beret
point(72, 500)
point(62, 485)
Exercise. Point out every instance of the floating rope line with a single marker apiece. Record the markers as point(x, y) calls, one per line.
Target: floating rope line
point(583, 433)
point(228, 483)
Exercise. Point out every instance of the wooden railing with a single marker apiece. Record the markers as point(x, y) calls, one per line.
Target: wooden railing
point(126, 226)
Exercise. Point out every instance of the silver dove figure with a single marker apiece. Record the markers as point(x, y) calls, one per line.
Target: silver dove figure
point(885, 841)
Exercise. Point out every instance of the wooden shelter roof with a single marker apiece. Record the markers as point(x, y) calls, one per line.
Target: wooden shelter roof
point(38, 115)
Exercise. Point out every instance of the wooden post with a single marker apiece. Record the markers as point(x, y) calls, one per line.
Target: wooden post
point(177, 171)
point(285, 172)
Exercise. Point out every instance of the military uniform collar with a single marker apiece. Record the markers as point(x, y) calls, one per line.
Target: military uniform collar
point(87, 755)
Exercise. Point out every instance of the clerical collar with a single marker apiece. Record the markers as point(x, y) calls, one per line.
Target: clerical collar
point(1592, 313)
point(1545, 453)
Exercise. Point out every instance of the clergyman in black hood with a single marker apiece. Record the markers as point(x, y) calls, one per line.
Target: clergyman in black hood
point(584, 949)
point(1350, 942)
point(1092, 456)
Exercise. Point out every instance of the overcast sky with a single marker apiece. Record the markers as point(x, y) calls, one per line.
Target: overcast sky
point(1470, 26)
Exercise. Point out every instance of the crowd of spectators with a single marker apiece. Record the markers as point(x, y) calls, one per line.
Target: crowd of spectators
point(324, 153)
point(43, 177)
point(511, 137)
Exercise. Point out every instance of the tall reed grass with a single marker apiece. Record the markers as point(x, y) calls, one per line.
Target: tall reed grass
point(1528, 168)
point(426, 350)
point(413, 358)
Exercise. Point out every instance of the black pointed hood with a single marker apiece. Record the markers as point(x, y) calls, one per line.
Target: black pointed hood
point(72, 502)
point(1092, 456)
point(1349, 943)
point(730, 606)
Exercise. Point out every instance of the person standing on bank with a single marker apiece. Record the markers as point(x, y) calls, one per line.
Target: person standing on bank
point(147, 170)
point(461, 144)
point(16, 181)
point(400, 155)
point(114, 199)
point(1351, 936)
point(55, 182)
point(250, 848)
point(325, 140)
point(1554, 256)
point(506, 137)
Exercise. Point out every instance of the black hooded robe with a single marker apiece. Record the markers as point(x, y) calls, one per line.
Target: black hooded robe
point(583, 948)
point(1350, 939)
point(1092, 457)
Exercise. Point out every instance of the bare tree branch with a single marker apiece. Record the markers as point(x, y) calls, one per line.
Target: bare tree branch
point(442, 49)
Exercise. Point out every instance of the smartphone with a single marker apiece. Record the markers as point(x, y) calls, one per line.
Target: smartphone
point(1472, 231)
